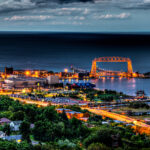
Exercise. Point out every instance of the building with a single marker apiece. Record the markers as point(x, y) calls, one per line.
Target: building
point(4, 121)
point(147, 120)
point(52, 79)
point(16, 138)
point(8, 71)
point(14, 125)
point(83, 75)
point(24, 82)
point(2, 134)
point(31, 73)
point(73, 114)
point(67, 75)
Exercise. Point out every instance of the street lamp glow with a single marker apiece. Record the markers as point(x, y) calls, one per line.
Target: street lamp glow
point(27, 73)
point(66, 70)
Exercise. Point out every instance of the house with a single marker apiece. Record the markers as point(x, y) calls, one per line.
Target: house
point(70, 114)
point(2, 134)
point(105, 122)
point(60, 110)
point(16, 138)
point(14, 125)
point(117, 121)
point(4, 121)
point(85, 119)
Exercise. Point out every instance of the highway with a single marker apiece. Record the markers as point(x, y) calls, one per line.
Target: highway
point(39, 103)
point(139, 125)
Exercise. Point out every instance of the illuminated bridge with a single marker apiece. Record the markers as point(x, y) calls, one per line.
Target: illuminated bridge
point(95, 72)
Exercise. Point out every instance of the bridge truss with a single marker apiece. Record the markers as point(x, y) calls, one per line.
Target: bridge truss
point(94, 72)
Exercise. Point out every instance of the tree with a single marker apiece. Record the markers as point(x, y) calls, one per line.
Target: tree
point(43, 131)
point(19, 115)
point(31, 112)
point(24, 146)
point(50, 113)
point(97, 146)
point(103, 135)
point(6, 129)
point(67, 145)
point(6, 145)
point(25, 131)
point(63, 116)
point(5, 102)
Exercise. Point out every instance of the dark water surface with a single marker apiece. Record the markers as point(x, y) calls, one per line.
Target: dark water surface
point(56, 51)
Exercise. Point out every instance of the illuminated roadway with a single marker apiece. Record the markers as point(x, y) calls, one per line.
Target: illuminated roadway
point(39, 103)
point(139, 125)
point(144, 128)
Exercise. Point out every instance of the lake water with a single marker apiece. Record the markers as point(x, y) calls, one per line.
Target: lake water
point(127, 86)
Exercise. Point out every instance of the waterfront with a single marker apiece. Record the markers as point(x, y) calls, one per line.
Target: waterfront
point(127, 86)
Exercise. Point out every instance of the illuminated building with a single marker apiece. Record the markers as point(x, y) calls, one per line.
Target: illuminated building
point(70, 114)
point(52, 79)
point(31, 73)
point(22, 82)
point(67, 75)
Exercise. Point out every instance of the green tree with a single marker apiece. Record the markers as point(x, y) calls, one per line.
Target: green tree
point(103, 135)
point(25, 131)
point(63, 116)
point(31, 112)
point(97, 146)
point(19, 115)
point(43, 131)
point(50, 113)
point(24, 146)
point(6, 129)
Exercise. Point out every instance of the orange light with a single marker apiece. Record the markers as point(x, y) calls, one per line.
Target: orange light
point(36, 74)
point(66, 70)
point(134, 75)
point(27, 73)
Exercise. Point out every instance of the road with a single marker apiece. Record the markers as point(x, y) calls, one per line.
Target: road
point(39, 103)
point(139, 125)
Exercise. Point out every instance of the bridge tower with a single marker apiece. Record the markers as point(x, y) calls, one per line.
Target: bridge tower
point(129, 65)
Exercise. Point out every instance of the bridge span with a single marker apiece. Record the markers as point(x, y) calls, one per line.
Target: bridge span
point(95, 73)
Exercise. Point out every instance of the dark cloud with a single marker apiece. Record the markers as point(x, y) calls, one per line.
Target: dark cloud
point(13, 5)
point(132, 4)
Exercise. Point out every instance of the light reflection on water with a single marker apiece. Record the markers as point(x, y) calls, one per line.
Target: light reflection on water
point(127, 86)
